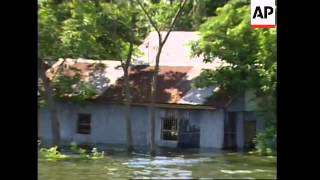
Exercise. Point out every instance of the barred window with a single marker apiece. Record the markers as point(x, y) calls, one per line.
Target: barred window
point(170, 126)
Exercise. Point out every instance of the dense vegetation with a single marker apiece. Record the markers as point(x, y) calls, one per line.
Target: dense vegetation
point(251, 55)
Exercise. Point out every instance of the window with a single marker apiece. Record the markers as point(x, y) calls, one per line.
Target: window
point(84, 121)
point(170, 127)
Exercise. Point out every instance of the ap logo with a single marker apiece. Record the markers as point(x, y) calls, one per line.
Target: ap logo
point(263, 14)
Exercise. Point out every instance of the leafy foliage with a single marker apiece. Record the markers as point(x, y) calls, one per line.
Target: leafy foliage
point(52, 154)
point(266, 142)
point(162, 13)
point(193, 15)
point(210, 6)
point(86, 29)
point(95, 154)
point(91, 29)
point(73, 88)
point(250, 54)
point(40, 93)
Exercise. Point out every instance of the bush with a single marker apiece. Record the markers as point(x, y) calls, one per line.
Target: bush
point(95, 154)
point(76, 149)
point(266, 142)
point(52, 154)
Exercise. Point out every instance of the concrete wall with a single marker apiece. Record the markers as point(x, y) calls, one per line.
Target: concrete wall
point(211, 128)
point(44, 125)
point(108, 125)
point(209, 122)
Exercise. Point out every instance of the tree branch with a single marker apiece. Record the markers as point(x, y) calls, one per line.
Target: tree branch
point(59, 70)
point(181, 5)
point(127, 63)
point(149, 18)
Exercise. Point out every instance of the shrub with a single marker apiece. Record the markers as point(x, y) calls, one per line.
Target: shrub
point(52, 154)
point(266, 142)
point(95, 154)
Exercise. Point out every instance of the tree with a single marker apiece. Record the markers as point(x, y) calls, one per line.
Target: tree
point(161, 43)
point(201, 10)
point(251, 54)
point(74, 88)
point(91, 29)
point(51, 104)
point(192, 16)
point(125, 66)
point(49, 15)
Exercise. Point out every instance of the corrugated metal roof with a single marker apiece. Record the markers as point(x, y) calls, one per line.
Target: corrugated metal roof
point(176, 73)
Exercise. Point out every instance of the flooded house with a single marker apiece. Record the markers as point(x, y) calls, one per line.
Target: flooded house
point(186, 116)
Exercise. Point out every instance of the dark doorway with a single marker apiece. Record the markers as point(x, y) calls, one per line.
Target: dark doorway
point(189, 134)
point(249, 133)
point(230, 131)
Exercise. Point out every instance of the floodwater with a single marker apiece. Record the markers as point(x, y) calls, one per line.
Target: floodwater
point(168, 164)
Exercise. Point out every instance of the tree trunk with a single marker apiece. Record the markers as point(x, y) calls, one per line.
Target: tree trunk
point(152, 104)
point(127, 112)
point(155, 74)
point(127, 86)
point(48, 93)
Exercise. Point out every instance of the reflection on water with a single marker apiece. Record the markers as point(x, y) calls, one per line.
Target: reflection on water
point(168, 164)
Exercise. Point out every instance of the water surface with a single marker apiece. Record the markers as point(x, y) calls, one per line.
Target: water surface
point(186, 164)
